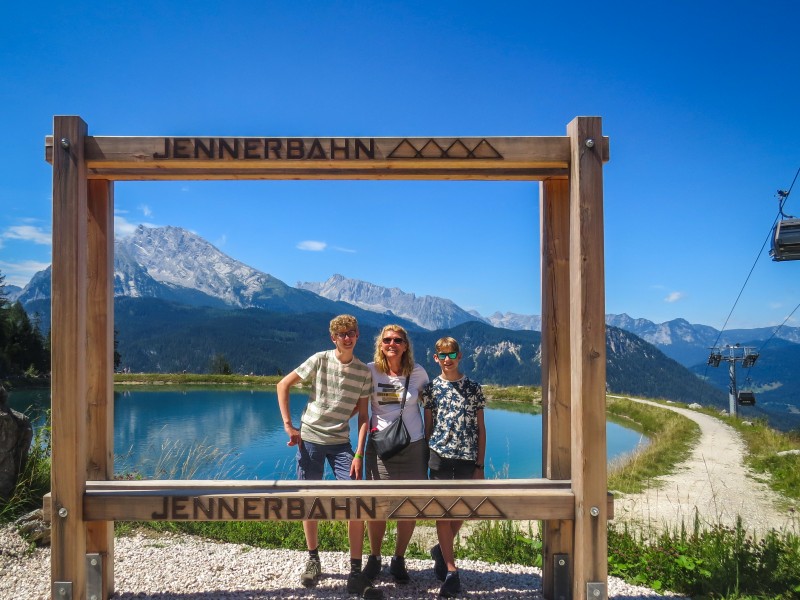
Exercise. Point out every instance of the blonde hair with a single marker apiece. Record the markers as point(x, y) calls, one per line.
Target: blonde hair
point(407, 359)
point(447, 342)
point(346, 322)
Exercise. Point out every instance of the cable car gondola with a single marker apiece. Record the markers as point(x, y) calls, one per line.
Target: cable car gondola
point(746, 399)
point(785, 234)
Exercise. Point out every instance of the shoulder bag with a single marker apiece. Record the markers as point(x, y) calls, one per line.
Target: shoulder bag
point(394, 437)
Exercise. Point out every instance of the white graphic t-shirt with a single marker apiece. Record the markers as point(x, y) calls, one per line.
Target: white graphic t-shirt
point(387, 394)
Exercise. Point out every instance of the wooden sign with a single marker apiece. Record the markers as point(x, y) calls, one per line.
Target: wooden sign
point(218, 500)
point(167, 158)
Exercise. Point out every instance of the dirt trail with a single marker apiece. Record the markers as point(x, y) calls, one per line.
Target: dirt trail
point(713, 481)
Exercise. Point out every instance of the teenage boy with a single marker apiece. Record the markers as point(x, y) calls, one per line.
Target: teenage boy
point(340, 387)
point(456, 435)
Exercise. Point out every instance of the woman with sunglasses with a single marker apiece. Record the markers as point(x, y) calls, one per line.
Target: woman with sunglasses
point(395, 376)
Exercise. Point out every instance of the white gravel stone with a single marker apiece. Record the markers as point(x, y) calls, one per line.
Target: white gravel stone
point(179, 567)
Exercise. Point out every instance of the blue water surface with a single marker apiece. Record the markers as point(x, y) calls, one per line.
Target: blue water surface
point(238, 434)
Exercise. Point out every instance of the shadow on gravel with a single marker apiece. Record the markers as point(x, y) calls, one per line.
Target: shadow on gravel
point(484, 585)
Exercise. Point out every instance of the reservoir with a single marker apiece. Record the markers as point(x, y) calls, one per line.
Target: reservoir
point(224, 433)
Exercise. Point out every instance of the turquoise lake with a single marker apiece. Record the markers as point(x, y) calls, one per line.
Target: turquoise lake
point(238, 434)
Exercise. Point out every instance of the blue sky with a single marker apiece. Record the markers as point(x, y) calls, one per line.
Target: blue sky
point(700, 104)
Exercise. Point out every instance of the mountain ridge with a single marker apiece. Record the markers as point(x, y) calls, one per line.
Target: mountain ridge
point(179, 267)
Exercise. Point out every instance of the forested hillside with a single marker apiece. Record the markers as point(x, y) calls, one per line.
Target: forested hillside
point(23, 347)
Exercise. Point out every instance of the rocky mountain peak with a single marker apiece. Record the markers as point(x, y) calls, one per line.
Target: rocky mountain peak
point(430, 312)
point(178, 258)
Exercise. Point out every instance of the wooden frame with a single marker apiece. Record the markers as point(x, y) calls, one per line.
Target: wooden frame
point(571, 499)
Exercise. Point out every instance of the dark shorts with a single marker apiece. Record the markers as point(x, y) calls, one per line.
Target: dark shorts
point(450, 468)
point(409, 463)
point(311, 459)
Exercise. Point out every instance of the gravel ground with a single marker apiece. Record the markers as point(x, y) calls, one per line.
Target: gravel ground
point(178, 567)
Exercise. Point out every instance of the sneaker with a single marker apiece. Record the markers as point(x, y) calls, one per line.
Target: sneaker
point(439, 566)
point(311, 574)
point(451, 586)
point(357, 583)
point(397, 569)
point(372, 568)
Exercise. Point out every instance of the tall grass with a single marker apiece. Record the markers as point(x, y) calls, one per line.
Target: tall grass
point(178, 460)
point(716, 562)
point(34, 479)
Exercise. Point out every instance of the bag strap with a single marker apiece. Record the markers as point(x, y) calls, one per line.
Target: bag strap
point(405, 393)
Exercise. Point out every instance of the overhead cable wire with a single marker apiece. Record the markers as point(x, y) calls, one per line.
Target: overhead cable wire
point(784, 197)
point(774, 333)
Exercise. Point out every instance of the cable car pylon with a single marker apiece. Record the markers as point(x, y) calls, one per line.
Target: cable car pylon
point(731, 354)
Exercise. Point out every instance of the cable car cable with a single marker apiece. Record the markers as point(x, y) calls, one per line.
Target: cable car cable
point(784, 197)
point(778, 328)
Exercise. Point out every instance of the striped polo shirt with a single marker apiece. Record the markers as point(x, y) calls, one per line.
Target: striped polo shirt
point(335, 391)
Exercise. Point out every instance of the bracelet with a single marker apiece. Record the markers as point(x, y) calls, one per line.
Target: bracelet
point(477, 466)
point(358, 455)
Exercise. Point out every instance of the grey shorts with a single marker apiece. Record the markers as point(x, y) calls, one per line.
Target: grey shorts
point(410, 463)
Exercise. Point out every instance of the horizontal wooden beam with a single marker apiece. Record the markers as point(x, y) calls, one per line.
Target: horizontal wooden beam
point(515, 499)
point(243, 158)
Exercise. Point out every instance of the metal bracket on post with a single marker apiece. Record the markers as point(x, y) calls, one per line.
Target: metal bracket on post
point(562, 588)
point(94, 577)
point(596, 591)
point(62, 590)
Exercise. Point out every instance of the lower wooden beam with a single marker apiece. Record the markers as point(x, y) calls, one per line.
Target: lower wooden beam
point(334, 500)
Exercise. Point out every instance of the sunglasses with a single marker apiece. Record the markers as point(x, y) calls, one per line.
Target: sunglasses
point(345, 334)
point(389, 340)
point(443, 355)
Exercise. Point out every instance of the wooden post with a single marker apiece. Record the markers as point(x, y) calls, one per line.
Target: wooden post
point(68, 330)
point(556, 440)
point(100, 363)
point(588, 355)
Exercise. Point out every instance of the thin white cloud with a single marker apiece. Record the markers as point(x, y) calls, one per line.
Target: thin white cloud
point(146, 210)
point(123, 227)
point(340, 249)
point(27, 233)
point(221, 241)
point(20, 273)
point(312, 246)
point(674, 297)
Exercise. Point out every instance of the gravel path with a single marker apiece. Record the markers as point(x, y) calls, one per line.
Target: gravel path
point(713, 482)
point(177, 567)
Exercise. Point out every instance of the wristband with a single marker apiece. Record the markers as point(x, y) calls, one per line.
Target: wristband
point(358, 455)
point(477, 466)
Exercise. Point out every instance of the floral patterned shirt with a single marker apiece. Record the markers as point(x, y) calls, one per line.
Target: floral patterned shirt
point(455, 406)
